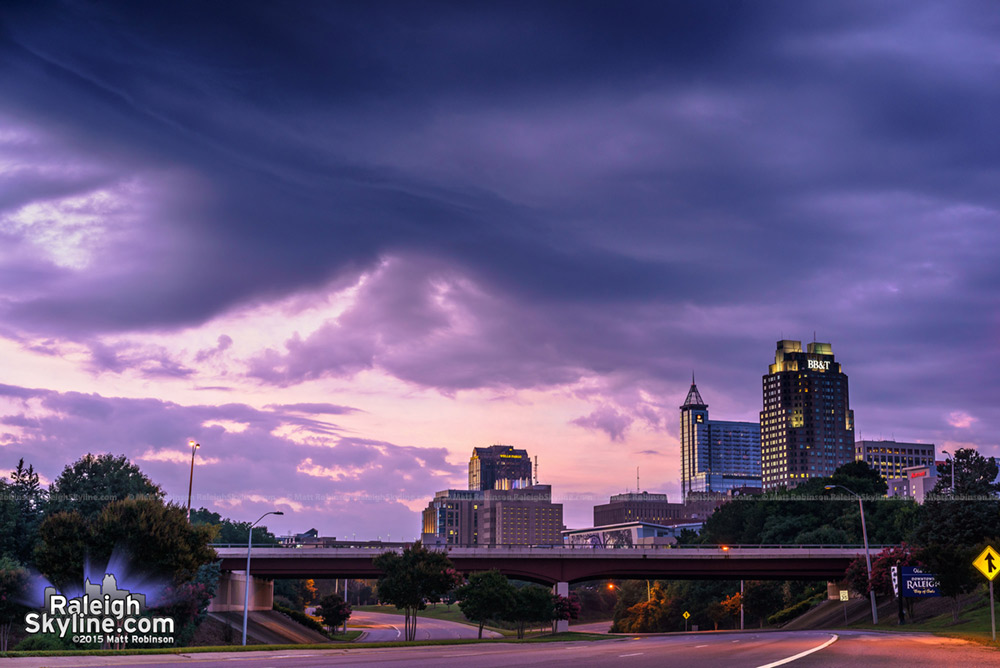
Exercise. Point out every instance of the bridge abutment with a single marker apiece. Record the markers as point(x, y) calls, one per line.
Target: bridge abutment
point(231, 590)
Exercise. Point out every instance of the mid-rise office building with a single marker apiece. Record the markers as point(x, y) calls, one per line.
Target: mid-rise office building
point(523, 516)
point(807, 425)
point(889, 458)
point(499, 467)
point(518, 516)
point(452, 518)
point(716, 455)
point(653, 509)
point(915, 483)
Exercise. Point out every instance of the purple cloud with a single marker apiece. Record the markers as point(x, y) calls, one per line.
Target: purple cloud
point(608, 420)
point(311, 471)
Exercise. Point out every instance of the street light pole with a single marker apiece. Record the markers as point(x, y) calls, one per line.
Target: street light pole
point(868, 556)
point(246, 584)
point(952, 458)
point(741, 605)
point(194, 449)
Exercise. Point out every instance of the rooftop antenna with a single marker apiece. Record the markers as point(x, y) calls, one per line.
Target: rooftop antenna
point(536, 469)
point(637, 473)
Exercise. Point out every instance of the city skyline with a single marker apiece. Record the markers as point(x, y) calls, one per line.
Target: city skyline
point(340, 246)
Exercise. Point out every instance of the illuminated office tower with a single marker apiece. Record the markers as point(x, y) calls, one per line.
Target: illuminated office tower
point(807, 425)
point(716, 455)
point(499, 467)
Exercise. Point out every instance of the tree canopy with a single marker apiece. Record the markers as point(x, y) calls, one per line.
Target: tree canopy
point(410, 579)
point(975, 475)
point(156, 537)
point(22, 502)
point(89, 484)
point(486, 595)
point(230, 531)
point(333, 610)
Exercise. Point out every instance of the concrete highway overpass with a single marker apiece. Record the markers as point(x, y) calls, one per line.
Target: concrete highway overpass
point(551, 565)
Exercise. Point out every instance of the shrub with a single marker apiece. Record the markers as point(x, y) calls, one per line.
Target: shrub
point(43, 642)
point(794, 611)
point(301, 617)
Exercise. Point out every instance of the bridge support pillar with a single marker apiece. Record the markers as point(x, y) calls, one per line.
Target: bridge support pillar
point(561, 589)
point(229, 594)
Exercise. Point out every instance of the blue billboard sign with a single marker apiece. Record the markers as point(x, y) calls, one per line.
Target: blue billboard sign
point(917, 583)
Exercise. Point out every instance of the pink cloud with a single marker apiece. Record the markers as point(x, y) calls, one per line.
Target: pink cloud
point(961, 419)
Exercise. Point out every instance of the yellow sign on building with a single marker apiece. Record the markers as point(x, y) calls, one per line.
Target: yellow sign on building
point(988, 563)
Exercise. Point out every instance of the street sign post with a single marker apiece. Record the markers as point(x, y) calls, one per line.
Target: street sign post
point(988, 563)
point(686, 616)
point(844, 597)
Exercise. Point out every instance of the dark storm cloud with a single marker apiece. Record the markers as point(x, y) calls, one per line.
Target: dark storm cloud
point(630, 188)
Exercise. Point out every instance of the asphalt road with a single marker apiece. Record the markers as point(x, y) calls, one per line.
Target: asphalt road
point(800, 649)
point(384, 627)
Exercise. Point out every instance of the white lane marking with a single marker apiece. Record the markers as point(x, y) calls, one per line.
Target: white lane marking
point(833, 639)
point(636, 654)
point(700, 646)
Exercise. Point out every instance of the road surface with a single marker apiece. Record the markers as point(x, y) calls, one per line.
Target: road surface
point(386, 627)
point(798, 649)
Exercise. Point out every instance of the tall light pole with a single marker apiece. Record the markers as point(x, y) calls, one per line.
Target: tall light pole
point(194, 449)
point(868, 556)
point(246, 585)
point(952, 458)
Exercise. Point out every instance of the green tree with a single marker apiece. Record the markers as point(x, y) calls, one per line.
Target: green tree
point(155, 536)
point(565, 607)
point(487, 595)
point(976, 475)
point(661, 612)
point(731, 606)
point(13, 587)
point(629, 593)
point(882, 563)
point(531, 605)
point(410, 579)
point(187, 603)
point(233, 532)
point(762, 598)
point(93, 481)
point(298, 592)
point(63, 543)
point(334, 611)
point(22, 502)
point(952, 563)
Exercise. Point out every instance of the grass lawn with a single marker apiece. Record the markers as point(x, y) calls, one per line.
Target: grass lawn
point(559, 637)
point(431, 612)
point(441, 611)
point(973, 623)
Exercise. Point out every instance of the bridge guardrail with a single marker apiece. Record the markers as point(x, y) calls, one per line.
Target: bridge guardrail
point(551, 548)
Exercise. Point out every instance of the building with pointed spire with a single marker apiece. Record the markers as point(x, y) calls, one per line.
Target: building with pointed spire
point(716, 456)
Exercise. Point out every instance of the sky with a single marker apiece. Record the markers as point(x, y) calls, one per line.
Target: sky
point(342, 244)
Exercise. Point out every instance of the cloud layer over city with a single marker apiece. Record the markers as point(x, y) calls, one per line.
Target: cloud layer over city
point(342, 244)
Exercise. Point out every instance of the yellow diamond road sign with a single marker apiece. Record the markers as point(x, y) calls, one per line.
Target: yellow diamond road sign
point(988, 562)
point(686, 614)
